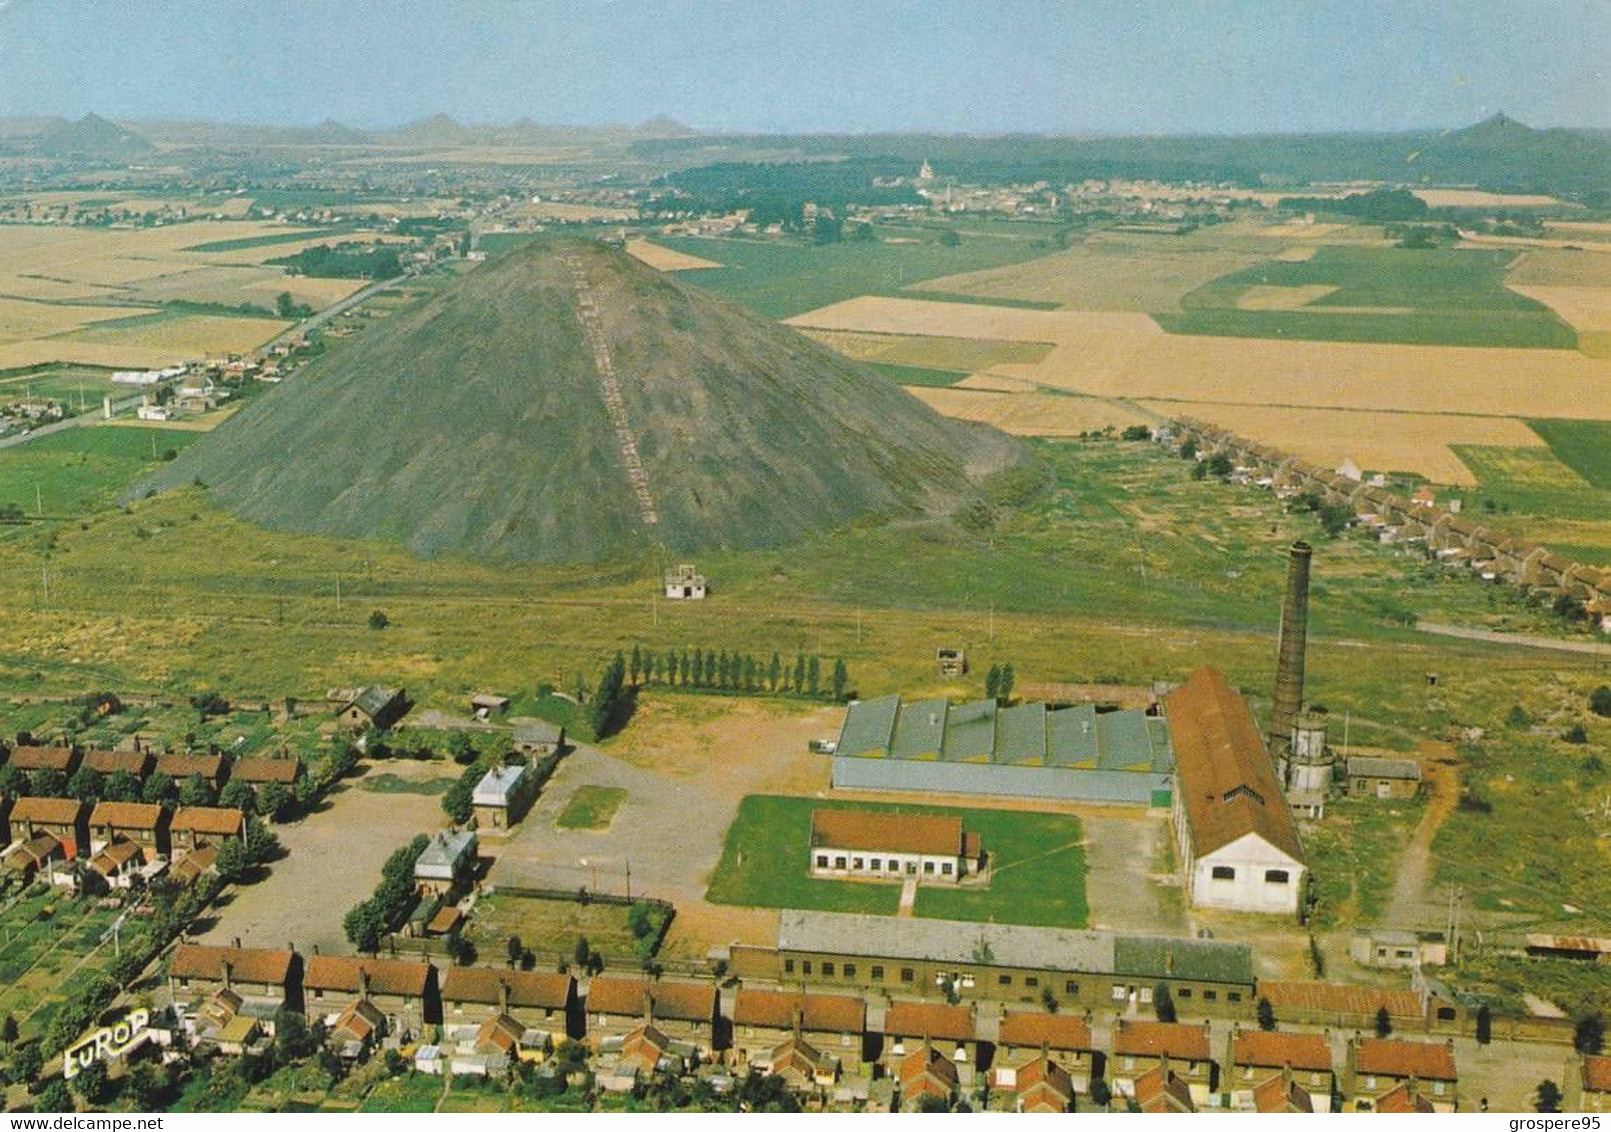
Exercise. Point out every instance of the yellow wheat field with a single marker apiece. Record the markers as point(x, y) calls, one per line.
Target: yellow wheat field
point(194, 335)
point(1581, 308)
point(960, 355)
point(667, 259)
point(1028, 414)
point(1125, 355)
point(1297, 231)
point(21, 319)
point(1384, 442)
point(1476, 198)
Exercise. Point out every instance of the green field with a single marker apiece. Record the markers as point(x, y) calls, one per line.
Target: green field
point(81, 470)
point(1434, 297)
point(1037, 866)
point(1583, 446)
point(781, 280)
point(268, 241)
point(918, 375)
point(550, 928)
point(1532, 481)
point(591, 807)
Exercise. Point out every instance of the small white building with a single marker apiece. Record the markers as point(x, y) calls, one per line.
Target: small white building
point(447, 862)
point(153, 413)
point(1233, 825)
point(866, 845)
point(501, 797)
point(685, 584)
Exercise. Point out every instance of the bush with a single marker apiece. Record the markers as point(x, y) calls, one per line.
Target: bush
point(379, 620)
point(1600, 701)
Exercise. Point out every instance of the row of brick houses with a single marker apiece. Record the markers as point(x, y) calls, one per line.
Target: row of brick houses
point(141, 763)
point(114, 841)
point(1451, 537)
point(488, 1017)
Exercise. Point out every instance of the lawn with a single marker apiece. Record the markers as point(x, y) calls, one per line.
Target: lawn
point(1434, 297)
point(781, 279)
point(591, 807)
point(1037, 863)
point(81, 470)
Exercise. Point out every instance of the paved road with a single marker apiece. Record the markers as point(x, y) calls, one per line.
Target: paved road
point(1519, 640)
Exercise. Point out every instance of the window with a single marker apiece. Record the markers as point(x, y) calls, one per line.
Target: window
point(1445, 1014)
point(911, 868)
point(838, 862)
point(1129, 1063)
point(907, 974)
point(805, 967)
point(1370, 1082)
point(1276, 876)
point(967, 982)
point(945, 867)
point(1210, 996)
point(1146, 994)
point(928, 868)
point(1224, 872)
point(827, 968)
point(1183, 992)
point(877, 864)
point(1031, 981)
point(1233, 996)
point(788, 966)
point(1004, 980)
point(850, 970)
point(1120, 994)
point(1437, 1088)
point(894, 866)
point(855, 862)
point(1071, 987)
point(822, 860)
point(878, 973)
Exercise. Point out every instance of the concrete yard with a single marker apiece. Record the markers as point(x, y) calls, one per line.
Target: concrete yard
point(333, 858)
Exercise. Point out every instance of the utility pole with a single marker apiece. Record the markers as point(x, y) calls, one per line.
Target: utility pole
point(338, 593)
point(39, 502)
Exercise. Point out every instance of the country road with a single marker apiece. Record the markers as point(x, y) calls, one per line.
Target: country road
point(1520, 640)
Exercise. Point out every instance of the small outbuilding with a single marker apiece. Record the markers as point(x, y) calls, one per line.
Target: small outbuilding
point(1370, 776)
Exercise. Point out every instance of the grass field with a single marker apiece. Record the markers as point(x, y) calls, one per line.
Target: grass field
point(1030, 414)
point(783, 279)
point(917, 376)
point(591, 807)
point(1534, 482)
point(1037, 862)
point(82, 469)
point(1583, 446)
point(552, 927)
point(412, 1092)
point(1432, 297)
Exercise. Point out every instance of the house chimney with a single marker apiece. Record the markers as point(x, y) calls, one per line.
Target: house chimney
point(228, 969)
point(503, 996)
point(1290, 652)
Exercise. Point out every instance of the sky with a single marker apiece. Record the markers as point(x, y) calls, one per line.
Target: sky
point(821, 66)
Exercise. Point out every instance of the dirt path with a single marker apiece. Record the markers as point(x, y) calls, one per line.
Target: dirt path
point(1440, 774)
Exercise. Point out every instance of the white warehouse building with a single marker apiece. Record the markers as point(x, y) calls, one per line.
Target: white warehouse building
point(1233, 826)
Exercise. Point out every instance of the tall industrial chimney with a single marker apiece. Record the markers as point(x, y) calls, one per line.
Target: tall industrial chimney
point(1289, 657)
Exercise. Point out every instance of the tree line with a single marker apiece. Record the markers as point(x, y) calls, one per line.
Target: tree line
point(738, 672)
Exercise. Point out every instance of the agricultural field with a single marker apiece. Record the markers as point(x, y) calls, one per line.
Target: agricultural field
point(1037, 862)
point(1113, 271)
point(1583, 446)
point(664, 259)
point(1403, 388)
point(182, 336)
point(1532, 481)
point(1438, 297)
point(780, 280)
point(1030, 414)
point(1432, 445)
point(64, 383)
point(958, 355)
